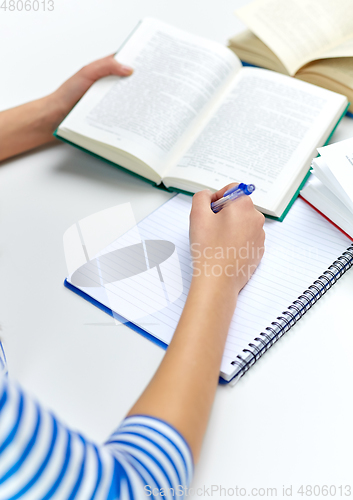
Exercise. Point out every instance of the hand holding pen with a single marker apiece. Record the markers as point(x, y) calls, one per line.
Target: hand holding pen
point(226, 247)
point(231, 195)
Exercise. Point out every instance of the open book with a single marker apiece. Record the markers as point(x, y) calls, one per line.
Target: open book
point(330, 187)
point(311, 40)
point(191, 117)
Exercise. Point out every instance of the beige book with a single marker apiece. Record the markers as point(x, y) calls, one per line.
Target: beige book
point(309, 39)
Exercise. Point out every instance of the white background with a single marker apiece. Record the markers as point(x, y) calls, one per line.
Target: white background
point(289, 420)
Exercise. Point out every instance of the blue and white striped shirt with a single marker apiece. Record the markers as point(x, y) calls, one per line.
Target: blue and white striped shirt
point(40, 458)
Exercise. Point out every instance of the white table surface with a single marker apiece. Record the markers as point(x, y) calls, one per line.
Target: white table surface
point(288, 421)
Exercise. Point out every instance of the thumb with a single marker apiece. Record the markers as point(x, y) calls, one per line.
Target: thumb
point(105, 67)
point(120, 69)
point(73, 89)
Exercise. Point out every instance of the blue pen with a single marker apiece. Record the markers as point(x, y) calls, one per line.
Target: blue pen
point(232, 194)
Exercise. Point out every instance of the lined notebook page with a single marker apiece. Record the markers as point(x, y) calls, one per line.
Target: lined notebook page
point(298, 250)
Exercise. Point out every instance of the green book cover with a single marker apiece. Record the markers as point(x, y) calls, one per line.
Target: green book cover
point(102, 158)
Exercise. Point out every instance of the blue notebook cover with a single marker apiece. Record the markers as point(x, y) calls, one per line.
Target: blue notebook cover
point(129, 324)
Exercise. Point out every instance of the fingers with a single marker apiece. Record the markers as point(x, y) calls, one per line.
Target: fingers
point(242, 207)
point(199, 199)
point(67, 95)
point(242, 204)
point(201, 203)
point(105, 67)
point(200, 211)
point(216, 196)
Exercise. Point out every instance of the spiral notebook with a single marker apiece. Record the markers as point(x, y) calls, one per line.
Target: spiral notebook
point(144, 277)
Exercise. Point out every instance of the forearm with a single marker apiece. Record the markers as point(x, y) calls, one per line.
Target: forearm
point(28, 126)
point(32, 124)
point(183, 388)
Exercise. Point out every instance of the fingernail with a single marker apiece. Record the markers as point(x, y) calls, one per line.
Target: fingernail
point(126, 70)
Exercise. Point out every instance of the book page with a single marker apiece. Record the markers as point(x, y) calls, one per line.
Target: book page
point(339, 160)
point(324, 200)
point(298, 250)
point(334, 74)
point(338, 70)
point(265, 133)
point(176, 77)
point(327, 176)
point(248, 47)
point(299, 31)
point(344, 49)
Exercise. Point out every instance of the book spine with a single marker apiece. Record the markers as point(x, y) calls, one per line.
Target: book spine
point(293, 314)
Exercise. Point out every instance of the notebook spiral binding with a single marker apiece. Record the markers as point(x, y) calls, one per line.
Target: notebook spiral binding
point(293, 314)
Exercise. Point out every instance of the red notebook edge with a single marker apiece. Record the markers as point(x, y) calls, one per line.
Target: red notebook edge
point(325, 217)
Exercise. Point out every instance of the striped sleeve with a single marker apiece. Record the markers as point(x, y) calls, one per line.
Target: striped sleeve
point(3, 362)
point(41, 459)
